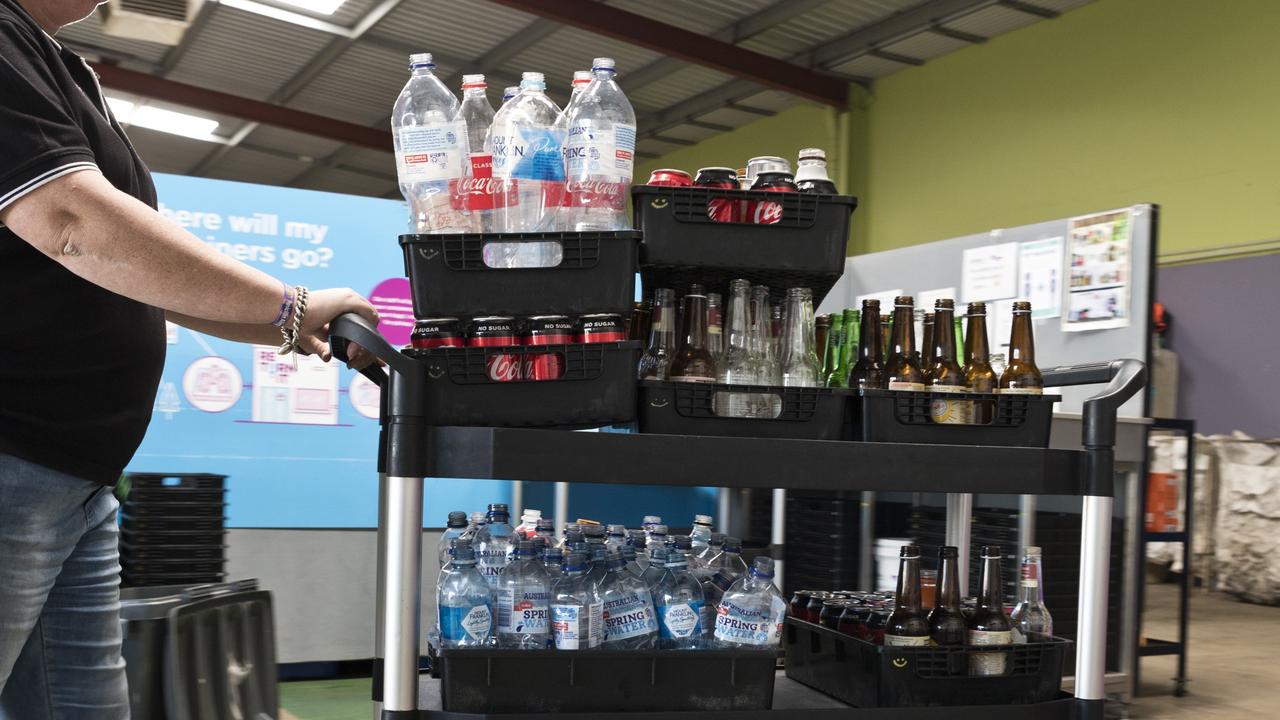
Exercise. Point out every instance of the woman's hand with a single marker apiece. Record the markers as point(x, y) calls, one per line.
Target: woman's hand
point(322, 307)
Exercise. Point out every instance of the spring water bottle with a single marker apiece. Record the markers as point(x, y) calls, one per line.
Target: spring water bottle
point(679, 599)
point(701, 533)
point(656, 570)
point(752, 611)
point(455, 526)
point(713, 589)
point(573, 605)
point(478, 519)
point(598, 567)
point(545, 532)
point(730, 561)
point(527, 161)
point(632, 565)
point(637, 539)
point(523, 601)
point(474, 196)
point(494, 543)
point(705, 567)
point(553, 563)
point(657, 539)
point(630, 621)
point(581, 79)
point(463, 601)
point(617, 537)
point(430, 147)
point(600, 154)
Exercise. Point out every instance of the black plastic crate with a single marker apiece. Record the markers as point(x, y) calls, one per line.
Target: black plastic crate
point(170, 551)
point(598, 386)
point(545, 681)
point(177, 494)
point(175, 482)
point(140, 526)
point(166, 538)
point(867, 675)
point(449, 276)
point(139, 568)
point(682, 245)
point(153, 580)
point(680, 408)
point(906, 416)
point(175, 510)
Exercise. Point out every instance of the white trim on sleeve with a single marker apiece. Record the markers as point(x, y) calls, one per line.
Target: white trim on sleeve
point(42, 179)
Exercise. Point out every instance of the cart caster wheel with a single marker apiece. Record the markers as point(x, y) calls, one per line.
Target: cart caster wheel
point(1180, 689)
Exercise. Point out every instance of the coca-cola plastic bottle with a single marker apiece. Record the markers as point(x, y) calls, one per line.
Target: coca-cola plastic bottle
point(430, 149)
point(474, 195)
point(600, 154)
point(581, 79)
point(526, 159)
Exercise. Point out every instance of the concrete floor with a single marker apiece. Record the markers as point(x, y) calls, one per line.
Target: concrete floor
point(1233, 668)
point(1232, 664)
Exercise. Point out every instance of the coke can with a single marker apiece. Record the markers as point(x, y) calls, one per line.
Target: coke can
point(496, 331)
point(436, 332)
point(757, 166)
point(719, 209)
point(601, 328)
point(769, 212)
point(545, 330)
point(670, 178)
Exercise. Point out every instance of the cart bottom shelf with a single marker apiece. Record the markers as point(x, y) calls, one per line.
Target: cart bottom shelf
point(790, 700)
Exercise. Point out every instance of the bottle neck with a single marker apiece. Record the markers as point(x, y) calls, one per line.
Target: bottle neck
point(694, 333)
point(835, 343)
point(991, 596)
point(797, 335)
point(736, 324)
point(662, 331)
point(976, 350)
point(869, 336)
point(944, 336)
point(1022, 347)
point(909, 583)
point(1031, 583)
point(949, 584)
point(904, 331)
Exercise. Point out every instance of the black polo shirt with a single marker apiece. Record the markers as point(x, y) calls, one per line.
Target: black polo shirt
point(79, 364)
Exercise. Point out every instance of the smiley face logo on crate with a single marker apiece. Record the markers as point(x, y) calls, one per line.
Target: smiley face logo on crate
point(429, 253)
point(899, 662)
point(659, 203)
point(659, 402)
point(435, 371)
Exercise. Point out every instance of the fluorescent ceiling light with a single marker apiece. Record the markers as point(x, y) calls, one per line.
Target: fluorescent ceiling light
point(169, 121)
point(277, 13)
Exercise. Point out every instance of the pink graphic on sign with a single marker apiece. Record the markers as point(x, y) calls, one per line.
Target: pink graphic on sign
point(394, 304)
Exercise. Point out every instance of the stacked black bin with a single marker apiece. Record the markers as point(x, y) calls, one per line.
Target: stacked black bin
point(172, 529)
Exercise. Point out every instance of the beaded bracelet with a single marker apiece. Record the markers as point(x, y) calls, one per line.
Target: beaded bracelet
point(292, 335)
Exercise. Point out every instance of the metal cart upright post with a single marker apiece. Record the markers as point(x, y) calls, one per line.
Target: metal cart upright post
point(412, 449)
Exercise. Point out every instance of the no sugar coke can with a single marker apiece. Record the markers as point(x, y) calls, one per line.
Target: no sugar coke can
point(436, 333)
point(496, 331)
point(545, 330)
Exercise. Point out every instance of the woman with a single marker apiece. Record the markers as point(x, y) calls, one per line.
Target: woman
point(89, 272)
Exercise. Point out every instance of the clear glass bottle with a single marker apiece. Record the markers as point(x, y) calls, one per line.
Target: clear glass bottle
point(630, 619)
point(752, 610)
point(600, 153)
point(693, 361)
point(655, 364)
point(799, 361)
point(1031, 619)
point(738, 365)
point(766, 368)
point(576, 612)
point(715, 326)
point(454, 527)
point(475, 191)
point(494, 543)
point(679, 599)
point(464, 603)
point(523, 601)
point(423, 126)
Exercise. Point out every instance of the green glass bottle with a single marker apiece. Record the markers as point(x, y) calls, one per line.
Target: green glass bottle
point(848, 353)
point(835, 341)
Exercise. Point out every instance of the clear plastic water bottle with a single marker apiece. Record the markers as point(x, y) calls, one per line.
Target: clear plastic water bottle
point(657, 568)
point(575, 608)
point(464, 602)
point(595, 535)
point(495, 543)
point(632, 564)
point(647, 524)
point(474, 196)
point(637, 539)
point(752, 611)
point(581, 79)
point(600, 154)
point(545, 532)
point(684, 545)
point(553, 563)
point(527, 161)
point(713, 588)
point(454, 527)
point(509, 92)
point(730, 561)
point(598, 568)
point(524, 601)
point(630, 620)
point(430, 147)
point(679, 600)
point(704, 566)
point(569, 528)
point(616, 537)
point(477, 521)
point(657, 538)
point(528, 523)
point(701, 533)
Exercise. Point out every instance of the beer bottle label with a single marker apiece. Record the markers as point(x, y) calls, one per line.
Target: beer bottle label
point(950, 412)
point(466, 624)
point(566, 625)
point(1021, 391)
point(901, 385)
point(906, 640)
point(627, 617)
point(992, 663)
point(680, 620)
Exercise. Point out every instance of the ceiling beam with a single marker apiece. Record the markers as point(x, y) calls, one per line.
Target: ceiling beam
point(954, 34)
point(689, 46)
point(1029, 9)
point(895, 57)
point(254, 110)
point(175, 54)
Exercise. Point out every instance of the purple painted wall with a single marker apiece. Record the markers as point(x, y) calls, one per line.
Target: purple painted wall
point(1228, 343)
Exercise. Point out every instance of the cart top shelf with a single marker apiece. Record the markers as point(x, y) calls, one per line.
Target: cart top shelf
point(644, 459)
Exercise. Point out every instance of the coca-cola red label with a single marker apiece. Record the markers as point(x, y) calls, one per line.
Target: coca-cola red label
point(502, 367)
point(766, 212)
point(724, 210)
point(480, 190)
point(594, 194)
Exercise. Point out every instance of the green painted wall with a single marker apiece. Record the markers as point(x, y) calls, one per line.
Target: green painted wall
point(1120, 101)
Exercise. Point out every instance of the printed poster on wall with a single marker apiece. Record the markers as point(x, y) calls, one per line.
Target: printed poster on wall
point(1099, 255)
point(1040, 276)
point(989, 272)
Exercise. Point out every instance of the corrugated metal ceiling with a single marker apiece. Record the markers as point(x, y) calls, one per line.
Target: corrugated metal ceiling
point(254, 56)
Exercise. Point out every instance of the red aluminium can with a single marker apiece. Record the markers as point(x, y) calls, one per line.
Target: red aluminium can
point(496, 331)
point(768, 212)
point(545, 330)
point(436, 332)
point(601, 328)
point(719, 209)
point(670, 178)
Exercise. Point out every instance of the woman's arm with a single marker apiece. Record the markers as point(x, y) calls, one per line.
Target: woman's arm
point(112, 240)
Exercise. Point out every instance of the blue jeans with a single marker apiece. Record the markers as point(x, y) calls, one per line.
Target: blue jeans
point(59, 597)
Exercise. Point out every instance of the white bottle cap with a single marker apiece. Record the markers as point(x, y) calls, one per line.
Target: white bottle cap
point(702, 519)
point(535, 514)
point(421, 60)
point(813, 154)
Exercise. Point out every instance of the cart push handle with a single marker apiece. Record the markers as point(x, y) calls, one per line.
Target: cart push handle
point(351, 328)
point(1124, 379)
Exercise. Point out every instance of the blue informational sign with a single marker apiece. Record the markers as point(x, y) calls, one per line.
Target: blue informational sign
point(298, 444)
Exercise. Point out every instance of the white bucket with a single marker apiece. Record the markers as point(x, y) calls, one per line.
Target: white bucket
point(887, 552)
